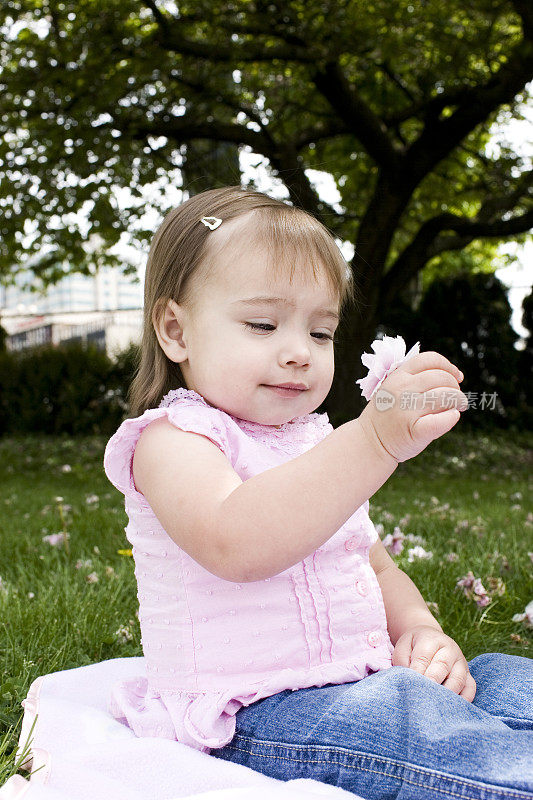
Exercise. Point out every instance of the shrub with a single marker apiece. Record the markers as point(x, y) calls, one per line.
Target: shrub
point(71, 389)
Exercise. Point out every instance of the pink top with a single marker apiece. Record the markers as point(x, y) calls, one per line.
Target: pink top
point(211, 645)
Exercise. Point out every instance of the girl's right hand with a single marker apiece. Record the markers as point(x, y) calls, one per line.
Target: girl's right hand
point(414, 405)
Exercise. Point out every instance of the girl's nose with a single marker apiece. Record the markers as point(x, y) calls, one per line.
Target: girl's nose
point(295, 351)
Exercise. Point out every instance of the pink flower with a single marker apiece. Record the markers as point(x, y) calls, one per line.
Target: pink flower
point(467, 582)
point(474, 589)
point(389, 354)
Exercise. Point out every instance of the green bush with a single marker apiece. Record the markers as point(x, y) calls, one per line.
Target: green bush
point(467, 318)
point(71, 388)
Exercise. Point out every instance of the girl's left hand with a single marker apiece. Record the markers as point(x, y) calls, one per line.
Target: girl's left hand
point(435, 655)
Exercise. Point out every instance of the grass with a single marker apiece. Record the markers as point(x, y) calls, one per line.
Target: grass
point(63, 607)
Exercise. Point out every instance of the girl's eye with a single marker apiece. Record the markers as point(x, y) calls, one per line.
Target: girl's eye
point(265, 326)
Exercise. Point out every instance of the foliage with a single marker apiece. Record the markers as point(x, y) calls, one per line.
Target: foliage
point(73, 389)
point(396, 98)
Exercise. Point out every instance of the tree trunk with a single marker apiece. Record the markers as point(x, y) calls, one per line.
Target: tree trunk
point(345, 401)
point(375, 234)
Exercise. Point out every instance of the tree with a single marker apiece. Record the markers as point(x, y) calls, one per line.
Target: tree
point(395, 100)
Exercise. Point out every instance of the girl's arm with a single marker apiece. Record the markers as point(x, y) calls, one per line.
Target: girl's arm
point(418, 639)
point(252, 530)
point(404, 605)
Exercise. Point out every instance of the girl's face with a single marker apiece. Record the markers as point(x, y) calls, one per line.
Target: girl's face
point(235, 350)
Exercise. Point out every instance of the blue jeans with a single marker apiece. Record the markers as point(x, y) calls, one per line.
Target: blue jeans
point(397, 734)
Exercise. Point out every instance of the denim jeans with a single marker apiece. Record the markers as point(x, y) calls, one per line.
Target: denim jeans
point(397, 734)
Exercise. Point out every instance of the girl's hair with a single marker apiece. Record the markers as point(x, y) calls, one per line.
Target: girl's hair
point(288, 235)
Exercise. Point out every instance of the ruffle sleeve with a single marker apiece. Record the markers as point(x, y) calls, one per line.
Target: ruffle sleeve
point(191, 417)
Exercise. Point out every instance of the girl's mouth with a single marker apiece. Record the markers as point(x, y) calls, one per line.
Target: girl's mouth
point(284, 391)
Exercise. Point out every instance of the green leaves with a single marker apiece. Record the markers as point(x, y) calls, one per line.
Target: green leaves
point(395, 100)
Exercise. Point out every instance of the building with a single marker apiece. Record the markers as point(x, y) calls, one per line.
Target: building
point(104, 308)
point(111, 331)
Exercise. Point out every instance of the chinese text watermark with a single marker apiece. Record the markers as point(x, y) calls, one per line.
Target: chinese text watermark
point(483, 401)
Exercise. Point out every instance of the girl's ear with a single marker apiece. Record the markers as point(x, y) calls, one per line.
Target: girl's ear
point(168, 322)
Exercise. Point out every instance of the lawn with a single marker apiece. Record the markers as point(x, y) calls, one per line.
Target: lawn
point(459, 508)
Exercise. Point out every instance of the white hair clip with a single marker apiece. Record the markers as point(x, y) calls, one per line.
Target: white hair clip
point(211, 222)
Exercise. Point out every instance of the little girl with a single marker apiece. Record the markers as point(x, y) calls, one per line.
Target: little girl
point(277, 631)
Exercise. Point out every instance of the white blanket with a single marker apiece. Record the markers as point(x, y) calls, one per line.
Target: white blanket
point(79, 752)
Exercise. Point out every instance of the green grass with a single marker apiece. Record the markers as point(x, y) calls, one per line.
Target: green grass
point(461, 495)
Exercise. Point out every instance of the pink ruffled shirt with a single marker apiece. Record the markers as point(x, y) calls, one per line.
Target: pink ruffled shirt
point(212, 646)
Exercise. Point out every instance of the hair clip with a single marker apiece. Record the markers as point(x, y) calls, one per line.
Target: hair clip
point(211, 222)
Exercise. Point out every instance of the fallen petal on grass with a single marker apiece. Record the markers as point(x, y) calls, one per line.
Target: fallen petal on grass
point(418, 552)
point(124, 634)
point(56, 539)
point(526, 616)
point(394, 541)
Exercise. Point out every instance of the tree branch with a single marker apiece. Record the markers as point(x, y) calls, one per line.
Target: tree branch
point(231, 25)
point(387, 69)
point(226, 98)
point(170, 37)
point(474, 105)
point(504, 202)
point(427, 244)
point(326, 131)
point(476, 229)
point(183, 129)
point(161, 19)
point(462, 95)
point(258, 30)
point(283, 158)
point(290, 169)
point(357, 115)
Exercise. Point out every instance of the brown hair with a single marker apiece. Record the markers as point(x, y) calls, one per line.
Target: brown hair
point(179, 248)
